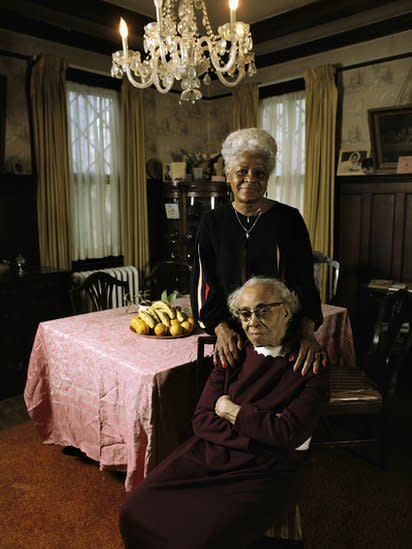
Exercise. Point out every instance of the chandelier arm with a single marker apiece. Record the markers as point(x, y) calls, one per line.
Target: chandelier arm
point(215, 59)
point(159, 86)
point(172, 61)
point(231, 83)
point(135, 83)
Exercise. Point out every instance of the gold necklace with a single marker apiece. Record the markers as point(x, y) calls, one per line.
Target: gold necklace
point(248, 231)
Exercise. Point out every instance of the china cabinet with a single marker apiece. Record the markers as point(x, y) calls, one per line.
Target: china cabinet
point(184, 204)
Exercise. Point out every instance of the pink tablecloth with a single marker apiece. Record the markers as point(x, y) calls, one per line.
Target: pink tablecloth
point(335, 335)
point(125, 400)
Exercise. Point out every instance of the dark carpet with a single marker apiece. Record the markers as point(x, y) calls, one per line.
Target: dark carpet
point(53, 500)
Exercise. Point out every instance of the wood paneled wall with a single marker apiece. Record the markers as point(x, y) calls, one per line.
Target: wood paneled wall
point(374, 232)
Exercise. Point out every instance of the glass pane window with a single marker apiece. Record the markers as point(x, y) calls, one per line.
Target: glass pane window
point(283, 116)
point(94, 138)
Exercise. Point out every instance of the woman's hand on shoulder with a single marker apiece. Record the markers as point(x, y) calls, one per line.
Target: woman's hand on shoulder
point(227, 347)
point(310, 353)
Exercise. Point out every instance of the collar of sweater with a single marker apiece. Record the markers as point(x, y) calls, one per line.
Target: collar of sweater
point(268, 350)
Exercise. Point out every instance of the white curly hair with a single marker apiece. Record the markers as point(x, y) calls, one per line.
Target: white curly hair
point(287, 296)
point(254, 140)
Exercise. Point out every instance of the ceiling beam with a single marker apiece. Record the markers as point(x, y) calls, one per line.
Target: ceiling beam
point(92, 25)
point(338, 40)
point(309, 16)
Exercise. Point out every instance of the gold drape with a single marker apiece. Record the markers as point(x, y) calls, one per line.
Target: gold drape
point(320, 128)
point(134, 200)
point(245, 106)
point(49, 111)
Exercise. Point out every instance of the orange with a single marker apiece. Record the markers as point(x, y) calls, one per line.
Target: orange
point(191, 320)
point(142, 328)
point(175, 329)
point(135, 321)
point(174, 321)
point(160, 329)
point(187, 326)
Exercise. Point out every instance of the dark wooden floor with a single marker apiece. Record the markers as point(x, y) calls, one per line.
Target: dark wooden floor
point(12, 411)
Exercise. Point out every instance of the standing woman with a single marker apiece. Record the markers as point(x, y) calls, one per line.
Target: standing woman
point(253, 236)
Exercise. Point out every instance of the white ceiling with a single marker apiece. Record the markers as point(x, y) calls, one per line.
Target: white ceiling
point(249, 11)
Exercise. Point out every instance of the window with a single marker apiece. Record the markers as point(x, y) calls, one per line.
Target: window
point(283, 116)
point(94, 143)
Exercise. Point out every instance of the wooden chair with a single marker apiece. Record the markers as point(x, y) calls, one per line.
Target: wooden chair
point(98, 287)
point(168, 275)
point(322, 262)
point(289, 532)
point(361, 402)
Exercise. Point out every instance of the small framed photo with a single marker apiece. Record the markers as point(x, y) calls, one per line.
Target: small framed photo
point(350, 161)
point(172, 210)
point(390, 131)
point(404, 164)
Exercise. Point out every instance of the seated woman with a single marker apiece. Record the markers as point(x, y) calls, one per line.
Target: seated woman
point(241, 470)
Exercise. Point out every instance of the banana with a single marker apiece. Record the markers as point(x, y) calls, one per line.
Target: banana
point(180, 315)
point(150, 321)
point(164, 319)
point(153, 313)
point(164, 307)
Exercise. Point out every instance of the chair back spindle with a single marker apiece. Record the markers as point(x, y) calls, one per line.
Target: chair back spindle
point(99, 288)
point(320, 262)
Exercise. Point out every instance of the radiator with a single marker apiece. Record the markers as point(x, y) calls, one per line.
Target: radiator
point(128, 272)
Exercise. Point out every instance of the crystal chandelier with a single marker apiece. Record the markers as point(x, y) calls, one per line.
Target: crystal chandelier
point(176, 50)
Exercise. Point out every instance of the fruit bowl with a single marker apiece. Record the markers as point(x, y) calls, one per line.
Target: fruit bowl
point(162, 320)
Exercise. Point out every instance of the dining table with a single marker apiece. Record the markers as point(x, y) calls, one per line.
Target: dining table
point(126, 400)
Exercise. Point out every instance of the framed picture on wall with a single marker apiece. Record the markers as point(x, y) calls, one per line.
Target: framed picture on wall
point(350, 161)
point(390, 131)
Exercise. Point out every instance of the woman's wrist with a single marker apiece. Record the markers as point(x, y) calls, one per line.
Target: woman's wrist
point(307, 328)
point(222, 328)
point(225, 408)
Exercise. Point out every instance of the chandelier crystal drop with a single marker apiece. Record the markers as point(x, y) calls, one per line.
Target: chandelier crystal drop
point(175, 49)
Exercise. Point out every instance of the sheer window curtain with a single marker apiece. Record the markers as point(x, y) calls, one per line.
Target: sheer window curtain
point(283, 117)
point(94, 144)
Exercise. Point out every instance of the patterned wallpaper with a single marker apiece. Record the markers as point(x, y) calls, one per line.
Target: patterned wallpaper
point(198, 128)
point(373, 86)
point(17, 153)
point(201, 128)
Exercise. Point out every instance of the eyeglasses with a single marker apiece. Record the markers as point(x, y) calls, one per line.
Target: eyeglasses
point(261, 311)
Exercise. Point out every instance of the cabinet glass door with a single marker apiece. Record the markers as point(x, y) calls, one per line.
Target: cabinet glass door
point(197, 204)
point(173, 219)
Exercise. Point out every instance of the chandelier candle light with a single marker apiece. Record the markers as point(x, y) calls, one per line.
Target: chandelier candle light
point(175, 50)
